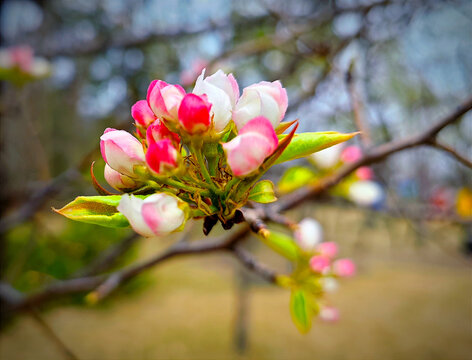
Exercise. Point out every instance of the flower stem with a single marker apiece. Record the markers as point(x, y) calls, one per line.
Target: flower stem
point(181, 186)
point(203, 168)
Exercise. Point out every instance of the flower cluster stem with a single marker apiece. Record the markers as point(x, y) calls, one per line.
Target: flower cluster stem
point(203, 168)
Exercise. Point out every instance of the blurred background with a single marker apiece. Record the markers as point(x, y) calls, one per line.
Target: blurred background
point(404, 64)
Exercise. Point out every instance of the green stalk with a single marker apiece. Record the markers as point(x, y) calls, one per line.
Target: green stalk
point(210, 150)
point(206, 175)
point(181, 186)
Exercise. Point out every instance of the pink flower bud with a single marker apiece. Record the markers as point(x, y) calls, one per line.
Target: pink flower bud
point(223, 92)
point(267, 99)
point(121, 151)
point(194, 113)
point(161, 156)
point(157, 215)
point(351, 154)
point(158, 131)
point(319, 263)
point(344, 268)
point(329, 314)
point(308, 234)
point(119, 181)
point(142, 113)
point(365, 173)
point(164, 99)
point(247, 151)
point(328, 249)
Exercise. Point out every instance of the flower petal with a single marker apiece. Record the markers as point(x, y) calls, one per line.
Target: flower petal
point(194, 114)
point(142, 113)
point(130, 206)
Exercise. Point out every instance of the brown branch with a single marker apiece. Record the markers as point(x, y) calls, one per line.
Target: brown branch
point(252, 264)
point(105, 284)
point(109, 257)
point(37, 200)
point(462, 159)
point(358, 108)
point(373, 155)
point(49, 332)
point(102, 43)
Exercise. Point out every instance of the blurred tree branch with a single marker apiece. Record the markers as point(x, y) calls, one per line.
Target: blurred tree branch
point(446, 148)
point(374, 155)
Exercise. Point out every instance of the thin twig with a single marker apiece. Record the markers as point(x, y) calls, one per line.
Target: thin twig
point(109, 257)
point(358, 108)
point(374, 155)
point(252, 264)
point(49, 332)
point(462, 159)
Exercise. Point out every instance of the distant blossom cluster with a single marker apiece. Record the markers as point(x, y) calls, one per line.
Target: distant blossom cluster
point(322, 261)
point(201, 155)
point(363, 190)
point(21, 59)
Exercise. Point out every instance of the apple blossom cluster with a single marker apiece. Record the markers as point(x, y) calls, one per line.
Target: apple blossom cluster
point(196, 149)
point(201, 154)
point(325, 268)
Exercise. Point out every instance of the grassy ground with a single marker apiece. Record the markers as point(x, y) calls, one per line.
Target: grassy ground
point(411, 300)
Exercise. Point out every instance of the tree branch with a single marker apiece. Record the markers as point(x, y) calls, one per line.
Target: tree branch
point(105, 284)
point(373, 155)
point(462, 159)
point(252, 264)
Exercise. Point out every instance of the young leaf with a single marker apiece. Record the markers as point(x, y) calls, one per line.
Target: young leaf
point(99, 210)
point(301, 310)
point(282, 244)
point(294, 178)
point(307, 143)
point(263, 192)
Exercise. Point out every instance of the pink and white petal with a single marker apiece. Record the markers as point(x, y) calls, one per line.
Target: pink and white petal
point(172, 97)
point(142, 113)
point(270, 109)
point(156, 100)
point(247, 108)
point(234, 88)
point(131, 206)
point(162, 214)
point(246, 153)
point(262, 126)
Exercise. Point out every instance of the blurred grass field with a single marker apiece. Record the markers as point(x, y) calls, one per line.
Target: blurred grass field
point(410, 300)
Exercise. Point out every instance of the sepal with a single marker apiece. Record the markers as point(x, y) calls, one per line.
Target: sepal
point(263, 192)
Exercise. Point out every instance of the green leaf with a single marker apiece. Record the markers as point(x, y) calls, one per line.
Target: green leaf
point(307, 143)
point(295, 178)
point(99, 210)
point(301, 310)
point(282, 244)
point(263, 192)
